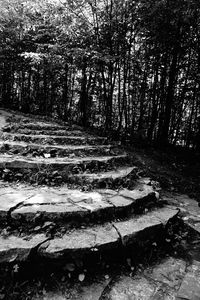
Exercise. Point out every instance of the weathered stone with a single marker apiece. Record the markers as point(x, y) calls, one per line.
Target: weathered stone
point(93, 205)
point(81, 240)
point(47, 197)
point(17, 248)
point(77, 196)
point(166, 213)
point(119, 201)
point(58, 203)
point(11, 199)
point(90, 201)
point(112, 175)
point(137, 193)
point(169, 272)
point(144, 224)
point(48, 212)
point(190, 287)
point(132, 288)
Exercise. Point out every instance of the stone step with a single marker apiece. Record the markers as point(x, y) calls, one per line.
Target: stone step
point(69, 132)
point(35, 206)
point(106, 178)
point(58, 163)
point(37, 125)
point(54, 139)
point(112, 235)
point(27, 149)
point(54, 170)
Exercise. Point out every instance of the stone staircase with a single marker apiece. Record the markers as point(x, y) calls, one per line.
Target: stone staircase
point(66, 192)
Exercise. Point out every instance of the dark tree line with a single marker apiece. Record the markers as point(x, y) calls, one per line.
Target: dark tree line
point(127, 66)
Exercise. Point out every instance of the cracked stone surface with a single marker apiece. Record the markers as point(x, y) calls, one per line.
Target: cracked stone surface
point(190, 287)
point(128, 288)
point(10, 198)
point(100, 214)
point(140, 192)
point(162, 281)
point(146, 224)
point(18, 248)
point(171, 273)
point(190, 211)
point(58, 203)
point(105, 236)
point(77, 240)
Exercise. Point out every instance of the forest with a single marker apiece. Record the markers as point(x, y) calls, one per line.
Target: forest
point(129, 68)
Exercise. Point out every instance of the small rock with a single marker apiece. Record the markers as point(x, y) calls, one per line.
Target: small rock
point(81, 277)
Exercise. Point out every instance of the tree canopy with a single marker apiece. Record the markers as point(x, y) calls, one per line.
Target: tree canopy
point(127, 66)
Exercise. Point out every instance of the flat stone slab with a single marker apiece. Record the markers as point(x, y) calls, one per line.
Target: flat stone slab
point(106, 236)
point(161, 281)
point(10, 198)
point(140, 192)
point(132, 288)
point(145, 224)
point(64, 204)
point(60, 204)
point(17, 248)
point(170, 273)
point(190, 287)
point(81, 240)
point(189, 208)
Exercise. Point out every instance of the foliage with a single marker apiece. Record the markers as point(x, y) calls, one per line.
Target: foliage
point(128, 66)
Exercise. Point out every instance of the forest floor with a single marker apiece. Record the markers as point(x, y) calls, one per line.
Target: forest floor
point(168, 269)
